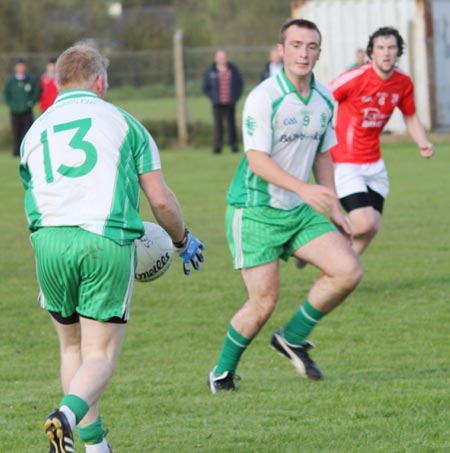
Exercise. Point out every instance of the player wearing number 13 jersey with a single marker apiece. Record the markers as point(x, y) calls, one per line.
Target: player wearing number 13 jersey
point(83, 163)
point(367, 97)
point(84, 155)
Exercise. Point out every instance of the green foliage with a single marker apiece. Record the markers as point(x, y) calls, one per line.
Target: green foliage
point(221, 23)
point(140, 3)
point(384, 352)
point(139, 31)
point(52, 25)
point(49, 25)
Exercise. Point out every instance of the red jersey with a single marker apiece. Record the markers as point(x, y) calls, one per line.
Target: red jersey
point(366, 103)
point(49, 91)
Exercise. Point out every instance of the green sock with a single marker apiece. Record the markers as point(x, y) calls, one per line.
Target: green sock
point(302, 323)
point(93, 433)
point(77, 405)
point(233, 347)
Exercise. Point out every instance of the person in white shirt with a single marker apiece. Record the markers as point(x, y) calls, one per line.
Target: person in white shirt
point(274, 211)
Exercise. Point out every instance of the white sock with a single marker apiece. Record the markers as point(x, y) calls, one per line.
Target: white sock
point(102, 447)
point(69, 415)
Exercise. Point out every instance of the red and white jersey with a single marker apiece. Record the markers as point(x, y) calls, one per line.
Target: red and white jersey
point(366, 103)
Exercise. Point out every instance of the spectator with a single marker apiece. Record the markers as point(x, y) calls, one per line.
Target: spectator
point(48, 87)
point(223, 84)
point(21, 92)
point(360, 59)
point(274, 64)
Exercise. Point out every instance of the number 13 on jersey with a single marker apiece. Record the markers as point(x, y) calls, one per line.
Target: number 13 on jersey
point(77, 142)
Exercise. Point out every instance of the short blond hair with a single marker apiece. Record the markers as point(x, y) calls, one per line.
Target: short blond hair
point(79, 66)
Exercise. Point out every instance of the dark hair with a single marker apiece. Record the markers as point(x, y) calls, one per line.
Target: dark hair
point(386, 31)
point(52, 60)
point(301, 23)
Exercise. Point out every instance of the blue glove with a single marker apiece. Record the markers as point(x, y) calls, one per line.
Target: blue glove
point(190, 251)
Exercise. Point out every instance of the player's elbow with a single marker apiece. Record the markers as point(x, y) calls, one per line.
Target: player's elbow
point(256, 162)
point(161, 203)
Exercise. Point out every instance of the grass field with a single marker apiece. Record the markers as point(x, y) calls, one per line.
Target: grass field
point(385, 352)
point(143, 107)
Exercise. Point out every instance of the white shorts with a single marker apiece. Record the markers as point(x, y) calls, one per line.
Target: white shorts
point(355, 178)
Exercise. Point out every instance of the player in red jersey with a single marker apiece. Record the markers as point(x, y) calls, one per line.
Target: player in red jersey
point(367, 96)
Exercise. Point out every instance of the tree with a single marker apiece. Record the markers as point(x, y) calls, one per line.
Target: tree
point(221, 23)
point(52, 25)
point(49, 25)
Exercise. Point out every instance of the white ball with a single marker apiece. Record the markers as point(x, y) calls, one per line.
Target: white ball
point(154, 253)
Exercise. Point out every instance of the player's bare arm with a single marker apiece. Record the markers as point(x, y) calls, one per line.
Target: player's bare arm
point(323, 171)
point(418, 134)
point(321, 198)
point(164, 204)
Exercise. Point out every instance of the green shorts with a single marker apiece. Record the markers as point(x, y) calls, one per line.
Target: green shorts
point(260, 235)
point(82, 272)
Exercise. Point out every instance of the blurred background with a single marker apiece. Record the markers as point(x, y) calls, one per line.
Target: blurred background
point(138, 37)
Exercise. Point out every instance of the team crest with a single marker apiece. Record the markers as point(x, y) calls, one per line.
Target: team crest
point(250, 125)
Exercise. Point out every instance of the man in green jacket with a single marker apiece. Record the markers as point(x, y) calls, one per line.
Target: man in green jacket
point(21, 92)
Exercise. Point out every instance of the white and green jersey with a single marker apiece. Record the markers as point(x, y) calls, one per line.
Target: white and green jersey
point(80, 164)
point(278, 121)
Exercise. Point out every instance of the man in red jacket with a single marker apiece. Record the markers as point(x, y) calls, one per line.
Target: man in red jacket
point(367, 97)
point(48, 87)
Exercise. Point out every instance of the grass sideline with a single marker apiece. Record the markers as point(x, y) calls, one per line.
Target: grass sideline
point(150, 110)
point(384, 352)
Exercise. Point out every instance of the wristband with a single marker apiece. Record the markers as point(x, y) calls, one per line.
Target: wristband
point(182, 243)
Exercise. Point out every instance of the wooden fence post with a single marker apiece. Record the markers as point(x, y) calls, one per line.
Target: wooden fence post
point(180, 88)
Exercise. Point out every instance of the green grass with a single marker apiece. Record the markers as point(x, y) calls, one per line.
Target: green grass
point(147, 108)
point(385, 352)
point(150, 110)
point(198, 108)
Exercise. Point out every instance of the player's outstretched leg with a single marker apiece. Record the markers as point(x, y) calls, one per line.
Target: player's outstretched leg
point(297, 354)
point(59, 433)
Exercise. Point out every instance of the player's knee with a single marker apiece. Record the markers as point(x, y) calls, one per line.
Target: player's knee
point(268, 303)
point(352, 274)
point(265, 304)
point(371, 227)
point(356, 275)
point(375, 228)
point(365, 225)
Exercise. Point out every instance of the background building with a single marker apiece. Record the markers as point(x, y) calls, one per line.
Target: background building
point(425, 26)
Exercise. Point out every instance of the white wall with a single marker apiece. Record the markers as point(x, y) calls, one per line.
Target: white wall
point(441, 48)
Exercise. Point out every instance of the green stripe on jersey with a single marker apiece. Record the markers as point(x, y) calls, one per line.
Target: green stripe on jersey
point(288, 128)
point(80, 165)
